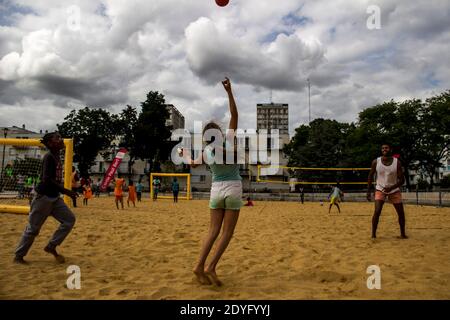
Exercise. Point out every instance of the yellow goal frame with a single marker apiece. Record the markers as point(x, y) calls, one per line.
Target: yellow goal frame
point(188, 184)
point(68, 161)
point(258, 179)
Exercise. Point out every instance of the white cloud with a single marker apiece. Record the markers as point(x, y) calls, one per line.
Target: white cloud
point(283, 64)
point(183, 48)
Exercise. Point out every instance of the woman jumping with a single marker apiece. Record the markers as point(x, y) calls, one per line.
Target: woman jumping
point(225, 201)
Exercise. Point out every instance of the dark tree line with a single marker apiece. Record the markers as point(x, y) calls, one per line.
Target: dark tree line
point(142, 132)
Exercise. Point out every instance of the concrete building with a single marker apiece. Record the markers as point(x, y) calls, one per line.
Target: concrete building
point(9, 153)
point(273, 116)
point(176, 119)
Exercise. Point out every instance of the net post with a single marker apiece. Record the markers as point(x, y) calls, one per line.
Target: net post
point(68, 162)
point(151, 186)
point(188, 187)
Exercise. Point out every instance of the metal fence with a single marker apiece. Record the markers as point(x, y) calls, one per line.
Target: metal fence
point(438, 198)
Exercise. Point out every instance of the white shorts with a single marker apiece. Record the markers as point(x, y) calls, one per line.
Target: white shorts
point(226, 195)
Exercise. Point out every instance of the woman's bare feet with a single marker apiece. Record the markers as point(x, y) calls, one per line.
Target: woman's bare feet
point(201, 277)
point(211, 273)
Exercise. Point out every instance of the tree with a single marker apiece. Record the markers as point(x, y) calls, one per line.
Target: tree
point(396, 123)
point(92, 131)
point(126, 124)
point(151, 133)
point(434, 142)
point(445, 181)
point(322, 143)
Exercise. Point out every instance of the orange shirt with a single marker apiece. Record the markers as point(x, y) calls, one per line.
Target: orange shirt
point(118, 189)
point(131, 193)
point(87, 192)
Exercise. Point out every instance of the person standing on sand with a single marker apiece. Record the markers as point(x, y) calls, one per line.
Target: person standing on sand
point(335, 197)
point(302, 195)
point(139, 188)
point(175, 189)
point(389, 180)
point(156, 186)
point(225, 201)
point(118, 191)
point(131, 194)
point(87, 194)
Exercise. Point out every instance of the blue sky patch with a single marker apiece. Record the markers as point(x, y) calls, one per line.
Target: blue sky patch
point(9, 12)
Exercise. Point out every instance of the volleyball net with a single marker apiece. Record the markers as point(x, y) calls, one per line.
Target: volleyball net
point(311, 176)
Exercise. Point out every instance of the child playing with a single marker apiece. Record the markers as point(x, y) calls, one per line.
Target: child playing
point(118, 191)
point(175, 189)
point(47, 202)
point(87, 194)
point(249, 202)
point(156, 187)
point(139, 187)
point(131, 194)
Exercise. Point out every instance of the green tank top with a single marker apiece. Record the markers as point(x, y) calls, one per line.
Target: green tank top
point(223, 172)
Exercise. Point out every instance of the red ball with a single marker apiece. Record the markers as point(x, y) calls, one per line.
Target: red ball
point(222, 3)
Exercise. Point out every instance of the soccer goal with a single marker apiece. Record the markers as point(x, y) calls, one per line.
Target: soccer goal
point(20, 172)
point(311, 176)
point(165, 185)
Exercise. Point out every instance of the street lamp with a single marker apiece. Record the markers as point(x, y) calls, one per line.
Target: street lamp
point(309, 99)
point(5, 133)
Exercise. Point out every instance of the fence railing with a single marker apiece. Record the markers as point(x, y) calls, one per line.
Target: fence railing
point(440, 198)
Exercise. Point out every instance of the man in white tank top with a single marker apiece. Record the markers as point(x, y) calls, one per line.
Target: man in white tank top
point(389, 180)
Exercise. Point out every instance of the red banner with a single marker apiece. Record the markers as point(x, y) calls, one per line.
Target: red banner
point(109, 175)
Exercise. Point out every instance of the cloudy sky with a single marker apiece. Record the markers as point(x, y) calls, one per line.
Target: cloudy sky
point(56, 55)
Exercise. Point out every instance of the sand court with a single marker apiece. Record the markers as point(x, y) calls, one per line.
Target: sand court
point(281, 250)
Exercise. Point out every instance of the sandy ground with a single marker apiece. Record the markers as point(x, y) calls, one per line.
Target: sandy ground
point(281, 250)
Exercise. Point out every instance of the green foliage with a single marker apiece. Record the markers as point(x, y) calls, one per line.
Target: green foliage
point(151, 135)
point(418, 131)
point(445, 181)
point(126, 129)
point(92, 131)
point(434, 142)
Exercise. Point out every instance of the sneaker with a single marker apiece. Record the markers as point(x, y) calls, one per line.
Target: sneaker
point(59, 258)
point(19, 260)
